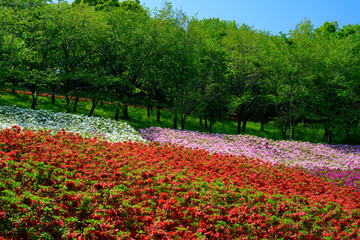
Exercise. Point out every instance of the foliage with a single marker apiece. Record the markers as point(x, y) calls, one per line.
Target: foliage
point(123, 54)
point(132, 5)
point(98, 4)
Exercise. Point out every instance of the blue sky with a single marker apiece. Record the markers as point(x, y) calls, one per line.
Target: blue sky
point(269, 15)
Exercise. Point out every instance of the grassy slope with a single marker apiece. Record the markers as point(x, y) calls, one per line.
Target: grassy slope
point(138, 119)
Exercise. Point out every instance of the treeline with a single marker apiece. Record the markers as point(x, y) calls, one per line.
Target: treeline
point(123, 53)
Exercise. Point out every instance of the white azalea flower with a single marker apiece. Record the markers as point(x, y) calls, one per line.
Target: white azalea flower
point(111, 130)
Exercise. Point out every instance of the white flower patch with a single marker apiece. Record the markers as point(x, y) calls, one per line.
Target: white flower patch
point(111, 130)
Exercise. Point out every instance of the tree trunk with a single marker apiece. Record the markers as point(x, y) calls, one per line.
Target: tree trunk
point(262, 127)
point(303, 121)
point(283, 129)
point(101, 103)
point(158, 114)
point(125, 111)
point(148, 111)
point(182, 122)
point(53, 98)
point(238, 124)
point(326, 129)
point(35, 96)
point(205, 121)
point(210, 128)
point(329, 137)
point(94, 103)
point(244, 123)
point(67, 103)
point(200, 121)
point(292, 130)
point(292, 127)
point(175, 121)
point(117, 111)
point(347, 132)
point(76, 100)
point(347, 135)
point(262, 117)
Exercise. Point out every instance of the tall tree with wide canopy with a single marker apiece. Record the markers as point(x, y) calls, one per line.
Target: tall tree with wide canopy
point(81, 38)
point(336, 72)
point(98, 4)
point(13, 50)
point(126, 55)
point(244, 71)
point(289, 60)
point(33, 39)
point(178, 62)
point(212, 70)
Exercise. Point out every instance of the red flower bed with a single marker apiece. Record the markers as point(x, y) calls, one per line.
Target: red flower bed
point(64, 186)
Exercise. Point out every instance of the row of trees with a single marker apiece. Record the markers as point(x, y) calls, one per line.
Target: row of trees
point(123, 53)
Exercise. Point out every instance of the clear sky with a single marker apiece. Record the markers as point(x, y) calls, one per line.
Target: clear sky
point(269, 15)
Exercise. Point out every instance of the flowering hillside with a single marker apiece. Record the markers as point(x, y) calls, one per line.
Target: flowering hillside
point(102, 128)
point(65, 186)
point(339, 164)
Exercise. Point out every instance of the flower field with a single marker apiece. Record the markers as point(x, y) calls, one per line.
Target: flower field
point(338, 164)
point(65, 185)
point(103, 128)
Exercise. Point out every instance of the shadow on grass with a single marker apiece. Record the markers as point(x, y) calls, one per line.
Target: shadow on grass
point(139, 120)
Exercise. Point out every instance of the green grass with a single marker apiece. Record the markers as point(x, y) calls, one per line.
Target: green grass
point(139, 120)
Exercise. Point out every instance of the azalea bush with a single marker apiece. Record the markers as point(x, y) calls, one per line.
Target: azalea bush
point(64, 186)
point(103, 128)
point(339, 164)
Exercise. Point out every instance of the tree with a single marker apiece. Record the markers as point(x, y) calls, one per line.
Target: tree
point(212, 68)
point(288, 66)
point(177, 63)
point(184, 85)
point(213, 105)
point(153, 84)
point(336, 72)
point(132, 5)
point(20, 5)
point(244, 71)
point(30, 41)
point(13, 50)
point(126, 55)
point(98, 4)
point(80, 42)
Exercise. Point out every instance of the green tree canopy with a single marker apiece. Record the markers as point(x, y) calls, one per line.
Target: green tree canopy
point(99, 4)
